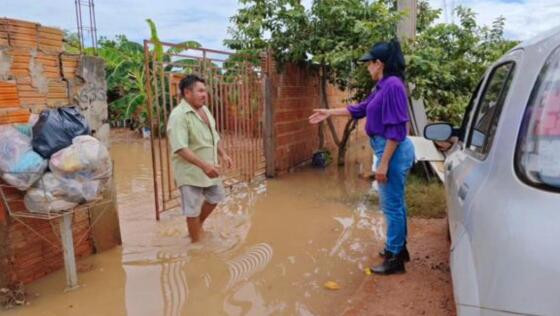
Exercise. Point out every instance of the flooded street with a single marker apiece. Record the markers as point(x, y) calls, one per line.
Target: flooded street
point(267, 250)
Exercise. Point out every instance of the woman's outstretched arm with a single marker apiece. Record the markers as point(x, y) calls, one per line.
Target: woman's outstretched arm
point(320, 115)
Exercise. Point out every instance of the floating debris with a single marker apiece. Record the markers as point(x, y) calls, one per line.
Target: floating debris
point(331, 285)
point(13, 296)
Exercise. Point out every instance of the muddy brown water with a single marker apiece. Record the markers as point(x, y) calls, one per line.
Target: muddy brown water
point(268, 249)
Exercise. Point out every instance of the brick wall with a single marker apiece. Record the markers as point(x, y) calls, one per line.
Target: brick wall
point(35, 74)
point(25, 256)
point(31, 257)
point(30, 69)
point(295, 93)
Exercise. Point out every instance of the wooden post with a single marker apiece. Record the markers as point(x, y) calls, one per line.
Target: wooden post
point(406, 29)
point(65, 224)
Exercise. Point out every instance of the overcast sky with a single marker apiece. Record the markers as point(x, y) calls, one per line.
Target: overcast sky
point(206, 21)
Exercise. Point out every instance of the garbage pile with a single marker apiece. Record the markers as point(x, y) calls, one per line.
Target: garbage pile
point(54, 160)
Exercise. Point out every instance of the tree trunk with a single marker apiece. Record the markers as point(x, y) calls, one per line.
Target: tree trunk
point(325, 104)
point(349, 127)
point(321, 136)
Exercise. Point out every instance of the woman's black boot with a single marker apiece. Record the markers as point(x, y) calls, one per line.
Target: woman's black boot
point(391, 264)
point(404, 254)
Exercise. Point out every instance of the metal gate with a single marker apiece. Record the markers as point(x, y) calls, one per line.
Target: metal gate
point(234, 97)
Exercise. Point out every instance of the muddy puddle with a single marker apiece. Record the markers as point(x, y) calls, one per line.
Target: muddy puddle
point(268, 250)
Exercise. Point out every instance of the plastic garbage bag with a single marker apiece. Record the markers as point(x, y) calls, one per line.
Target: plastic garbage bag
point(20, 166)
point(27, 171)
point(33, 118)
point(321, 159)
point(85, 160)
point(41, 201)
point(92, 190)
point(56, 128)
point(69, 189)
point(13, 145)
point(25, 129)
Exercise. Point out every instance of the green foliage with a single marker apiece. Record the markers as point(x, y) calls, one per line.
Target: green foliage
point(424, 198)
point(331, 32)
point(124, 65)
point(445, 61)
point(71, 42)
point(158, 48)
point(125, 71)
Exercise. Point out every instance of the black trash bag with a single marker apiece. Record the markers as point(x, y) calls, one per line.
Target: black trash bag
point(56, 128)
point(321, 159)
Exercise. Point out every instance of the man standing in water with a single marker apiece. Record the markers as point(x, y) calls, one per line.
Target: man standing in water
point(195, 148)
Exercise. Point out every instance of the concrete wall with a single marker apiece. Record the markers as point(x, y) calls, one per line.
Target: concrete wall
point(36, 74)
point(89, 91)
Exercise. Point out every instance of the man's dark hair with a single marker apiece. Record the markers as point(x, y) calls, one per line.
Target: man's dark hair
point(188, 82)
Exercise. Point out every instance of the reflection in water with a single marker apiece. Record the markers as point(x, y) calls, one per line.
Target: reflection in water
point(243, 267)
point(268, 249)
point(246, 300)
point(346, 224)
point(174, 285)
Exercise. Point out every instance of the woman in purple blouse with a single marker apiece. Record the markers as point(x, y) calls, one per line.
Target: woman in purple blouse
point(386, 113)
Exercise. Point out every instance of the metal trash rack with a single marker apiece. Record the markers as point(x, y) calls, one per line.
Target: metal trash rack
point(12, 201)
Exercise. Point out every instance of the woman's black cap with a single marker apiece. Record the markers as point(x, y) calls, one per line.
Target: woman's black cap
point(381, 51)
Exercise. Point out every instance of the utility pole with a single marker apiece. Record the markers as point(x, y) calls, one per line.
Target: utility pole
point(406, 29)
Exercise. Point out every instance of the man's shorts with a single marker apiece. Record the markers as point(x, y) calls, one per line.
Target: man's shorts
point(192, 198)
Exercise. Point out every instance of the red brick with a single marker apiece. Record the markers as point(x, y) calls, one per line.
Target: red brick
point(3, 214)
point(297, 95)
point(292, 92)
point(293, 126)
point(290, 103)
point(292, 115)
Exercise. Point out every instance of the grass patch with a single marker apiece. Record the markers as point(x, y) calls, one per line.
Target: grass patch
point(425, 199)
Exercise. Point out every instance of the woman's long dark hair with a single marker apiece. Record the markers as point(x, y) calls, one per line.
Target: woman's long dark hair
point(395, 64)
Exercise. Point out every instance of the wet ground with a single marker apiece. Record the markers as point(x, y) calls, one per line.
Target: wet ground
point(268, 250)
point(425, 289)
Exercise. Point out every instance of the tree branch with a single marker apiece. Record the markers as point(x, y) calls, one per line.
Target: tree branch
point(325, 104)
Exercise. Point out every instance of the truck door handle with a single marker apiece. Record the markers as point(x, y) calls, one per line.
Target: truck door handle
point(463, 191)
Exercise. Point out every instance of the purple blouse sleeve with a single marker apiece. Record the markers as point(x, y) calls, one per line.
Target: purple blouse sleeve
point(394, 112)
point(396, 132)
point(358, 111)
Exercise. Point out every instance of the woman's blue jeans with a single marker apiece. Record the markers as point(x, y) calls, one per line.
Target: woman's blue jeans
point(392, 193)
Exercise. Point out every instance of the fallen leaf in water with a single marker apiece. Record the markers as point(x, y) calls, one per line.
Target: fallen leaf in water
point(331, 285)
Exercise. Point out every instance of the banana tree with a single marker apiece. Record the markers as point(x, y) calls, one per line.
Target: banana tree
point(125, 71)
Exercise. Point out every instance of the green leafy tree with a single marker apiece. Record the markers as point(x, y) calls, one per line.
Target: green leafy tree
point(124, 65)
point(125, 71)
point(329, 37)
point(445, 61)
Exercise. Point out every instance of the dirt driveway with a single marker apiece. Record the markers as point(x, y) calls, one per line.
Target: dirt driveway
point(426, 287)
